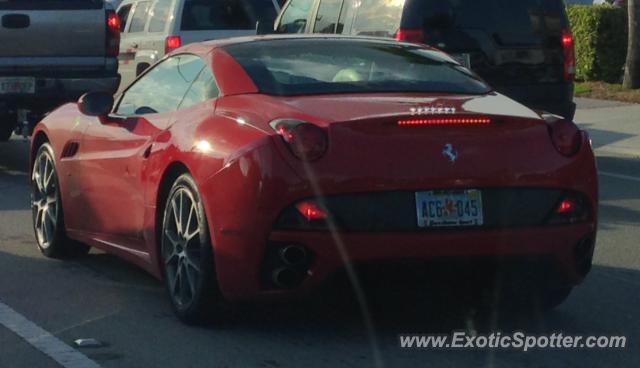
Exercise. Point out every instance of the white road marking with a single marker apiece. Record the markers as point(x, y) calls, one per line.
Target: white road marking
point(619, 176)
point(40, 339)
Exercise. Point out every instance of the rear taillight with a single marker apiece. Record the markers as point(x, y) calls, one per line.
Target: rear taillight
point(565, 135)
point(306, 141)
point(569, 52)
point(410, 35)
point(311, 210)
point(567, 205)
point(571, 208)
point(171, 43)
point(113, 33)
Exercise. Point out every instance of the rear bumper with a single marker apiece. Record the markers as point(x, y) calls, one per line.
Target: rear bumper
point(557, 244)
point(260, 185)
point(553, 98)
point(50, 92)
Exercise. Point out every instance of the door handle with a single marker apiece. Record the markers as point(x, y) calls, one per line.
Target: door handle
point(15, 21)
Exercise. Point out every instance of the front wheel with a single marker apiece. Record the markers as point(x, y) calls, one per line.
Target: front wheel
point(187, 254)
point(47, 214)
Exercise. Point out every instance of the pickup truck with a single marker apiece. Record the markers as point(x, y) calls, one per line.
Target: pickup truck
point(52, 52)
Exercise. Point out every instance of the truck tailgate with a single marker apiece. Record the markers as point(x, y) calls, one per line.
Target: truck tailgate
point(42, 28)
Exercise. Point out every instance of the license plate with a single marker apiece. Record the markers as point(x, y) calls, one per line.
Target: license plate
point(463, 59)
point(17, 85)
point(448, 208)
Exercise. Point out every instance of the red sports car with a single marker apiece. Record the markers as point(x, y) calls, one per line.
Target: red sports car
point(258, 166)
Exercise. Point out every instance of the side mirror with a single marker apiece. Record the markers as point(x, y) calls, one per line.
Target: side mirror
point(95, 104)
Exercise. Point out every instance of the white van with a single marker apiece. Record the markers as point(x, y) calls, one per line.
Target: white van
point(151, 28)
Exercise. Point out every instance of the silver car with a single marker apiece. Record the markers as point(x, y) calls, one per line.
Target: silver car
point(152, 28)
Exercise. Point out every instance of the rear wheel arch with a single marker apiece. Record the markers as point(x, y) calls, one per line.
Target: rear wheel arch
point(170, 175)
point(38, 140)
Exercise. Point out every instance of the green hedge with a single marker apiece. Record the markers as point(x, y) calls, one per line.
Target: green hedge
point(600, 34)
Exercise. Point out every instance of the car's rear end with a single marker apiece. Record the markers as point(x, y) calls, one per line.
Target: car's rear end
point(54, 51)
point(523, 49)
point(446, 169)
point(396, 186)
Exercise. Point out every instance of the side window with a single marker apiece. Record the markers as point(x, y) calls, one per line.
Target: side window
point(123, 14)
point(203, 88)
point(159, 16)
point(294, 18)
point(327, 16)
point(346, 16)
point(377, 18)
point(140, 15)
point(162, 88)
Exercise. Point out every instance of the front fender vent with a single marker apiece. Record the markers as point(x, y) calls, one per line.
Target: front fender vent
point(69, 150)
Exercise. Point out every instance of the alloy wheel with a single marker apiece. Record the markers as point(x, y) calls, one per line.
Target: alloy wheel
point(181, 247)
point(45, 200)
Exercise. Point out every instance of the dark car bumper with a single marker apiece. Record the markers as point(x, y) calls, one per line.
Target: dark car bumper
point(51, 92)
point(554, 98)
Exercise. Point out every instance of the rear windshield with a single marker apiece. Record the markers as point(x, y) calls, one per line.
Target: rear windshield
point(505, 22)
point(316, 66)
point(205, 15)
point(50, 4)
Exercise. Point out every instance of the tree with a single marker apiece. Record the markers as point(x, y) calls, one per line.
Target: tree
point(632, 69)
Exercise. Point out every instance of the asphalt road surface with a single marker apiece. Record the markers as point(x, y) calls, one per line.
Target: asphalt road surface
point(52, 303)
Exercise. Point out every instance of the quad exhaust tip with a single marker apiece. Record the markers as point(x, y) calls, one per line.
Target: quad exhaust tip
point(286, 277)
point(293, 255)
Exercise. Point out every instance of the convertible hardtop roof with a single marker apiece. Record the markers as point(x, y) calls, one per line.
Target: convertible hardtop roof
point(205, 47)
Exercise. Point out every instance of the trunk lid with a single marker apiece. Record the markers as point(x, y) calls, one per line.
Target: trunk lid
point(52, 28)
point(369, 150)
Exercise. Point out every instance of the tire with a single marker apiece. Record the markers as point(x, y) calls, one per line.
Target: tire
point(552, 298)
point(47, 212)
point(187, 255)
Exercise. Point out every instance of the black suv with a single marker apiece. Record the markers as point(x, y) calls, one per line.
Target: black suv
point(523, 48)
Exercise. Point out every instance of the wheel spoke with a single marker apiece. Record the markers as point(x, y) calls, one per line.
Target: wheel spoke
point(46, 231)
point(181, 201)
point(191, 280)
point(48, 176)
point(172, 237)
point(189, 237)
point(192, 264)
point(176, 217)
point(188, 227)
point(38, 218)
point(184, 285)
point(43, 174)
point(49, 220)
point(37, 177)
point(174, 282)
point(171, 257)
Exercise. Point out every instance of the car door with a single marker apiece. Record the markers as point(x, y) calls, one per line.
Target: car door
point(114, 152)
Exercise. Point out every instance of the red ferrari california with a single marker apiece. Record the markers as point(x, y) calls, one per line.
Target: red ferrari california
point(260, 166)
